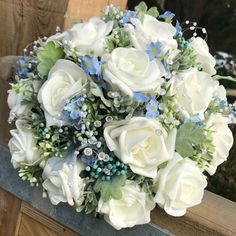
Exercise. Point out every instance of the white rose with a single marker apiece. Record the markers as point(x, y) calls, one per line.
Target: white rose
point(14, 100)
point(222, 140)
point(193, 91)
point(133, 209)
point(129, 70)
point(14, 103)
point(22, 146)
point(203, 56)
point(152, 30)
point(88, 37)
point(65, 79)
point(62, 180)
point(180, 185)
point(141, 143)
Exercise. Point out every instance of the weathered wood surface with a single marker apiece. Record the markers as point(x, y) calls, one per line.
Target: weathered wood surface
point(83, 9)
point(34, 223)
point(20, 219)
point(6, 67)
point(215, 216)
point(9, 212)
point(22, 21)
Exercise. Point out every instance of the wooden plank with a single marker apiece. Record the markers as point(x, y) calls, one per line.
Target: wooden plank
point(84, 9)
point(23, 21)
point(119, 3)
point(9, 212)
point(81, 9)
point(214, 216)
point(35, 223)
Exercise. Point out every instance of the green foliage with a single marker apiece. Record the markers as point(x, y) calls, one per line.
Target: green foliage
point(153, 12)
point(118, 38)
point(184, 60)
point(146, 184)
point(47, 56)
point(163, 165)
point(142, 9)
point(30, 173)
point(110, 189)
point(188, 135)
point(90, 201)
point(221, 77)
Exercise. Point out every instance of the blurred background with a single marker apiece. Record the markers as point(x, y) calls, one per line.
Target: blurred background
point(23, 21)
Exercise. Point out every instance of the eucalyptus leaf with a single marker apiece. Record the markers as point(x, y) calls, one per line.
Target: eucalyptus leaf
point(153, 12)
point(47, 56)
point(189, 134)
point(110, 189)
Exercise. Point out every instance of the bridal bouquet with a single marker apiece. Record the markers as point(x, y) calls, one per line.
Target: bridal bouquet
point(119, 114)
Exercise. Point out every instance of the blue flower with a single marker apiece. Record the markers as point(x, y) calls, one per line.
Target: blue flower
point(91, 66)
point(223, 104)
point(141, 97)
point(22, 72)
point(72, 110)
point(167, 15)
point(178, 28)
point(22, 61)
point(127, 17)
point(194, 118)
point(89, 160)
point(152, 109)
point(22, 67)
point(153, 50)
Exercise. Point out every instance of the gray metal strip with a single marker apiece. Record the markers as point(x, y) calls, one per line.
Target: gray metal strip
point(83, 224)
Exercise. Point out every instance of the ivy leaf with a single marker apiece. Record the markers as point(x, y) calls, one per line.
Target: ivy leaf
point(153, 12)
point(189, 134)
point(110, 189)
point(48, 56)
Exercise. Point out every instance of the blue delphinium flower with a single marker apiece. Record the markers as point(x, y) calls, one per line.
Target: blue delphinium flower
point(152, 109)
point(126, 17)
point(153, 50)
point(178, 28)
point(22, 67)
point(167, 15)
point(72, 110)
point(141, 97)
point(91, 66)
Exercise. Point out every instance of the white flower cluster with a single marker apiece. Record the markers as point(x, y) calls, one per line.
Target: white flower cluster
point(102, 86)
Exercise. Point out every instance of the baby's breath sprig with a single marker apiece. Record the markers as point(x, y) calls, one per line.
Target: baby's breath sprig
point(29, 173)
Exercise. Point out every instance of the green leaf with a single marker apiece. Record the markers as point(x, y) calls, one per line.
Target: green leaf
point(189, 134)
point(153, 12)
point(47, 56)
point(141, 7)
point(220, 77)
point(110, 189)
point(141, 10)
point(163, 165)
point(97, 92)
